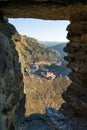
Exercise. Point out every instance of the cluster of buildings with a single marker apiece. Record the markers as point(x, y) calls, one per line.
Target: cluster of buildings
point(42, 72)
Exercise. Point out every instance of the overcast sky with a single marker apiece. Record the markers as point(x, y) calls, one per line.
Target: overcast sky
point(43, 30)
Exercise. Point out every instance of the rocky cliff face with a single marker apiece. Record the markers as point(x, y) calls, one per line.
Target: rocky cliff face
point(11, 81)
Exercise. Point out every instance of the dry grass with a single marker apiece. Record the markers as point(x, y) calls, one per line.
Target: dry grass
point(41, 93)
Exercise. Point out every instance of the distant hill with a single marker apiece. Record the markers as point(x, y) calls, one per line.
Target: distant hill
point(51, 43)
point(56, 46)
point(59, 47)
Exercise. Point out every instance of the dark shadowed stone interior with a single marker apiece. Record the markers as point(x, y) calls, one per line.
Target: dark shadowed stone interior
point(73, 113)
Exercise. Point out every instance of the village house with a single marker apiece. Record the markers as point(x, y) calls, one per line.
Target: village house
point(48, 75)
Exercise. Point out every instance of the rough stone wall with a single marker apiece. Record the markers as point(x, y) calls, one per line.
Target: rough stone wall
point(42, 9)
point(12, 97)
point(76, 94)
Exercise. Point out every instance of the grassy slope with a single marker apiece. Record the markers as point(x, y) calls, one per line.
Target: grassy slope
point(41, 93)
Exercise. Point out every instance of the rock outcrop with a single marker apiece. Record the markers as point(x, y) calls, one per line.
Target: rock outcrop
point(12, 98)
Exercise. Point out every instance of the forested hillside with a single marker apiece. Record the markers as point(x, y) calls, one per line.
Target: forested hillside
point(60, 47)
point(37, 51)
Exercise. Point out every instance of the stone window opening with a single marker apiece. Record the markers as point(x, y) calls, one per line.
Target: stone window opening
point(41, 76)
